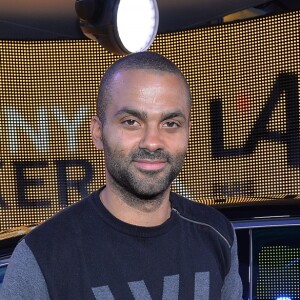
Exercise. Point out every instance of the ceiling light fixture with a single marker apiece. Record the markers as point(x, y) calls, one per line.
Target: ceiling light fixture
point(121, 26)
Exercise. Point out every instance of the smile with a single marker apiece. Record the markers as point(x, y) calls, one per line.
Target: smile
point(150, 165)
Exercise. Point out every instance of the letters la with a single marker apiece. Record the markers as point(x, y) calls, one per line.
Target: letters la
point(285, 83)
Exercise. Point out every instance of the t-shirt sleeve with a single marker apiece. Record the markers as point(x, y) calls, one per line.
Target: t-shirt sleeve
point(23, 278)
point(232, 288)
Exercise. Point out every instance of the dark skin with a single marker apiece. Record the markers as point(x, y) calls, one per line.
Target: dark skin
point(145, 139)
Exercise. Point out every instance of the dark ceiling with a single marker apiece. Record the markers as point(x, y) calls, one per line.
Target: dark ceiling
point(56, 19)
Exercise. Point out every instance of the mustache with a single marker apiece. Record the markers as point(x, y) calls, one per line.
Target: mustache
point(141, 154)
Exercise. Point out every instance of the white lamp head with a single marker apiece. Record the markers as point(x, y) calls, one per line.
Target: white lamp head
point(121, 26)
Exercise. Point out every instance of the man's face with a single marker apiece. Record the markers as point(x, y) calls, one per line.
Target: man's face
point(146, 130)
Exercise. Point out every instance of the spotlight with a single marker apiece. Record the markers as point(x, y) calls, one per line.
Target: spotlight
point(120, 26)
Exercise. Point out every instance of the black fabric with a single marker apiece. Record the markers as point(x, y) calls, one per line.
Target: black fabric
point(85, 247)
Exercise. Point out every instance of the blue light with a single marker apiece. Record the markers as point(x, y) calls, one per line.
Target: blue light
point(283, 298)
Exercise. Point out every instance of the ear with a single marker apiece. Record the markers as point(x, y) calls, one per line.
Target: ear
point(96, 132)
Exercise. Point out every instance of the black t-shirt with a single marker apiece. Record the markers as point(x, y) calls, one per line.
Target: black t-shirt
point(84, 252)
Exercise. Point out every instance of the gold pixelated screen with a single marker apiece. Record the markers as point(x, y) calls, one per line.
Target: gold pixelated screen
point(244, 144)
point(276, 257)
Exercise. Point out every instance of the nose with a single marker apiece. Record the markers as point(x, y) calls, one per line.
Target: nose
point(151, 139)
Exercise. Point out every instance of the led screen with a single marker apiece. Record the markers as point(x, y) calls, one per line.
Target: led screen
point(276, 257)
point(245, 136)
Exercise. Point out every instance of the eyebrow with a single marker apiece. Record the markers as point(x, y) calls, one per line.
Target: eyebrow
point(131, 111)
point(174, 114)
point(143, 115)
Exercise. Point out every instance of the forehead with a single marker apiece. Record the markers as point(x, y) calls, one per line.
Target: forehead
point(154, 87)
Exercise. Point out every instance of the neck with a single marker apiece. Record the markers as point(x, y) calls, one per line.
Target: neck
point(132, 210)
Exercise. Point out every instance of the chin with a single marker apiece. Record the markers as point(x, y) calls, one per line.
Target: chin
point(149, 194)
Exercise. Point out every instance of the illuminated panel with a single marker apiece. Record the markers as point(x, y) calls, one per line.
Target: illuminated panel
point(245, 137)
point(276, 264)
point(47, 100)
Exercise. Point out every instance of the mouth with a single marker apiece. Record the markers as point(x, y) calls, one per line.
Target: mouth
point(150, 165)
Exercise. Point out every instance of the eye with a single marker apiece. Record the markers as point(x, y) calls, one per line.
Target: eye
point(171, 124)
point(130, 123)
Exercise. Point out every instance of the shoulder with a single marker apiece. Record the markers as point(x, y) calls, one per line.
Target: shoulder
point(65, 224)
point(23, 278)
point(204, 215)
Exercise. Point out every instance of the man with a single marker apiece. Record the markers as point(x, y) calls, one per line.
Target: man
point(132, 239)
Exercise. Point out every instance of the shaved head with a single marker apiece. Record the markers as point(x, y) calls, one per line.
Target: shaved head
point(137, 61)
